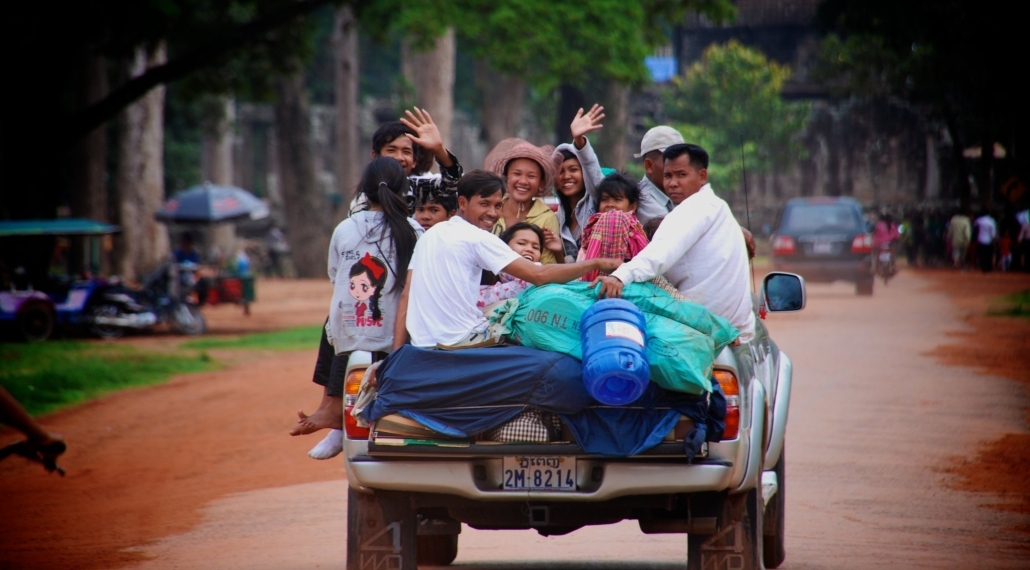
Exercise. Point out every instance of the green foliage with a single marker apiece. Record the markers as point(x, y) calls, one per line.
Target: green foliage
point(50, 375)
point(859, 64)
point(545, 43)
point(247, 73)
point(732, 97)
point(920, 50)
point(380, 63)
point(183, 136)
point(551, 43)
point(301, 338)
point(955, 57)
point(1016, 305)
point(320, 72)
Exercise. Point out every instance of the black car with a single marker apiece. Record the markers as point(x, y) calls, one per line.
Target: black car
point(824, 239)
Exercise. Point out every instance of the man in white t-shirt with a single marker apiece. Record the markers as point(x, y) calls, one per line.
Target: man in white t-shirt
point(698, 246)
point(986, 232)
point(438, 304)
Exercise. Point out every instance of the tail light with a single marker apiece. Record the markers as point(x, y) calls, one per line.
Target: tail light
point(863, 243)
point(783, 245)
point(350, 395)
point(731, 389)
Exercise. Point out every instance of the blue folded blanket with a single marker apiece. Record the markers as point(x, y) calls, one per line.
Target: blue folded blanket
point(465, 392)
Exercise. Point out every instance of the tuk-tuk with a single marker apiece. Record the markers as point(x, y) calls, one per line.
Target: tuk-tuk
point(38, 294)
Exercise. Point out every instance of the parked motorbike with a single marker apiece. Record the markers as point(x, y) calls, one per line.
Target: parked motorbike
point(885, 265)
point(164, 298)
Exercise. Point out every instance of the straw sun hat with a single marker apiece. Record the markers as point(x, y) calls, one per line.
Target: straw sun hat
point(515, 148)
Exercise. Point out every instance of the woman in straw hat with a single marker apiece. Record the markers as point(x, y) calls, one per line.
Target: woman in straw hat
point(527, 169)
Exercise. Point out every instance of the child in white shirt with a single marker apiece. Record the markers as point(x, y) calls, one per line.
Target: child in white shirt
point(526, 240)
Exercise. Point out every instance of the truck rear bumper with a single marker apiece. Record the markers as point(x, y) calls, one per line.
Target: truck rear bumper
point(598, 480)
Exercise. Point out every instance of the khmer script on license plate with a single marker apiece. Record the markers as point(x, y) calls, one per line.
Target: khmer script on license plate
point(539, 473)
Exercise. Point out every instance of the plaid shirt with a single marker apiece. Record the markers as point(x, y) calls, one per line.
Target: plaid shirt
point(531, 426)
point(613, 234)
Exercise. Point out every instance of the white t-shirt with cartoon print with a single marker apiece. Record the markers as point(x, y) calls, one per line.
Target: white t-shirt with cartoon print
point(447, 266)
point(361, 268)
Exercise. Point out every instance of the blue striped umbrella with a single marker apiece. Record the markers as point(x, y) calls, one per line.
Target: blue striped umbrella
point(210, 203)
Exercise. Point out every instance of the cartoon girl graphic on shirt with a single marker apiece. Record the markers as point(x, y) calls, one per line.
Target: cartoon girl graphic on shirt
point(367, 279)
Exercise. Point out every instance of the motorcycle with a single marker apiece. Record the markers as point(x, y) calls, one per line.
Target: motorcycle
point(885, 266)
point(164, 298)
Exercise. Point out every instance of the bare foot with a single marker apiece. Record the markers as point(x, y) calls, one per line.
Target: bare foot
point(330, 417)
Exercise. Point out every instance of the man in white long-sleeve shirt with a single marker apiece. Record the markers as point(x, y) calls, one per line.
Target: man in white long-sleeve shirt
point(698, 246)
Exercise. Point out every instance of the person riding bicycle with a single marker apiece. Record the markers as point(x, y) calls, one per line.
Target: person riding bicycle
point(885, 235)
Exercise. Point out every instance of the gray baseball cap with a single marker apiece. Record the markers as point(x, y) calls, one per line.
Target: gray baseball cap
point(659, 138)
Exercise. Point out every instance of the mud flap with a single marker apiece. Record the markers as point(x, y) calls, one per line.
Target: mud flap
point(737, 544)
point(381, 530)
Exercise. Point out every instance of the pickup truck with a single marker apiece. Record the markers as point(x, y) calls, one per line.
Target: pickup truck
point(406, 503)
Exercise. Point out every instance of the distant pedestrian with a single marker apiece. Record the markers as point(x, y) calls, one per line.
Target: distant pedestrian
point(278, 248)
point(1005, 251)
point(959, 233)
point(1023, 241)
point(935, 238)
point(986, 233)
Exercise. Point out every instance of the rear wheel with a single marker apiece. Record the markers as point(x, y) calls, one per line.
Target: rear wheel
point(773, 535)
point(437, 549)
point(737, 543)
point(187, 319)
point(104, 310)
point(381, 528)
point(35, 322)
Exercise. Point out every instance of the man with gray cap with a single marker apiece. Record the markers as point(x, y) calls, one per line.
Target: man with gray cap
point(654, 202)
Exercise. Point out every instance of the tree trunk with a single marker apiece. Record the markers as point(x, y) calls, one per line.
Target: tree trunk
point(152, 186)
point(348, 156)
point(218, 169)
point(434, 82)
point(306, 208)
point(572, 100)
point(218, 147)
point(89, 192)
point(88, 196)
point(610, 141)
point(502, 103)
point(139, 179)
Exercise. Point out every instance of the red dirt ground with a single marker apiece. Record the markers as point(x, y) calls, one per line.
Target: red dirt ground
point(995, 345)
point(142, 462)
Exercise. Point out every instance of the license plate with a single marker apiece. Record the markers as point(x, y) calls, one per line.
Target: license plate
point(822, 248)
point(539, 473)
point(885, 257)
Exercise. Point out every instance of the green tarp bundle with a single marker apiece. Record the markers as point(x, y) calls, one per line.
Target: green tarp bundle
point(682, 337)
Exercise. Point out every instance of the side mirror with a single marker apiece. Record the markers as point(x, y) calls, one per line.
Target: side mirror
point(783, 292)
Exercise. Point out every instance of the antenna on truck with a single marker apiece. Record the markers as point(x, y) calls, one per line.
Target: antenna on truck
point(747, 210)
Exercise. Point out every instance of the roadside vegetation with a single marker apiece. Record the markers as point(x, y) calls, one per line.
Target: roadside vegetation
point(47, 376)
point(1016, 305)
point(300, 338)
point(51, 375)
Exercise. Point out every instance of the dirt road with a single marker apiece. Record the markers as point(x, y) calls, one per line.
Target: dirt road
point(198, 473)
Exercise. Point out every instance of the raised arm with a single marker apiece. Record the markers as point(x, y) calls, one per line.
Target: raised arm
point(584, 123)
point(557, 273)
point(400, 324)
point(427, 135)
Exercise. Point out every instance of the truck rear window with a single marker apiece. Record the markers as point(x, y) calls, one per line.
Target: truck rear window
point(816, 218)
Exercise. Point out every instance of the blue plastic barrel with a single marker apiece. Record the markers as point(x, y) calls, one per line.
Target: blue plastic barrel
point(614, 337)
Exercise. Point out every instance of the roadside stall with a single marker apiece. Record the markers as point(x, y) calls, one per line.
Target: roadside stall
point(209, 204)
